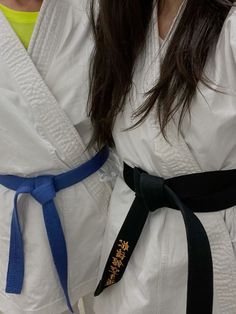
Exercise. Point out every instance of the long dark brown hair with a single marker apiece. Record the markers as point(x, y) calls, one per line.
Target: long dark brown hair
point(120, 30)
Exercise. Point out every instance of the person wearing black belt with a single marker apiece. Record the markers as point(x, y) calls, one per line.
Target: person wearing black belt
point(163, 92)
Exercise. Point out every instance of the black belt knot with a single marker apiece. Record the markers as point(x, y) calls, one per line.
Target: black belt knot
point(151, 189)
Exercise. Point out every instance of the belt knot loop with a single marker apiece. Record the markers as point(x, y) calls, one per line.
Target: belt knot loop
point(153, 191)
point(44, 189)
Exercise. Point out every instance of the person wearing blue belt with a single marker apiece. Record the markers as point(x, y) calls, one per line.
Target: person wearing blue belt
point(163, 92)
point(54, 191)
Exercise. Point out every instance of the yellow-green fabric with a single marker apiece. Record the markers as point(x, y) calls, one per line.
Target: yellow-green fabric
point(21, 22)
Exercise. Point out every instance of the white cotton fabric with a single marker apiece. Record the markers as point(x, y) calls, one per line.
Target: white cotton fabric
point(43, 96)
point(155, 281)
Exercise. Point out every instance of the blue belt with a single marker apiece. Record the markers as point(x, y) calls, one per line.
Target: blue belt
point(43, 189)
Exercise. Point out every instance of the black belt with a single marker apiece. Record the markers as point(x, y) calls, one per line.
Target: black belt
point(202, 192)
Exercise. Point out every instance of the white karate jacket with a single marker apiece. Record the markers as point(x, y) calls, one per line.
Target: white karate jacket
point(44, 129)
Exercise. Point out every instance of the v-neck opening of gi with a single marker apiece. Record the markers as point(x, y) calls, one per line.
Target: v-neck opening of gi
point(173, 24)
point(38, 21)
point(155, 49)
point(22, 22)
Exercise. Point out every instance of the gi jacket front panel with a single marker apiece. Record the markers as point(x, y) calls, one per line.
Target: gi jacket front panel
point(155, 281)
point(44, 129)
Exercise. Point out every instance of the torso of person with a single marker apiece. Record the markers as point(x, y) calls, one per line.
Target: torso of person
point(155, 281)
point(44, 130)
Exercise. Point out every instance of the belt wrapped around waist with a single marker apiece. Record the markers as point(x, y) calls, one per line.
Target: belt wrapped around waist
point(200, 192)
point(43, 189)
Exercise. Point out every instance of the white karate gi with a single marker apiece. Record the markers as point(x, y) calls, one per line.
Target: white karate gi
point(155, 281)
point(43, 96)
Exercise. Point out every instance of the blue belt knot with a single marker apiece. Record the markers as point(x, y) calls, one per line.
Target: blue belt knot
point(43, 190)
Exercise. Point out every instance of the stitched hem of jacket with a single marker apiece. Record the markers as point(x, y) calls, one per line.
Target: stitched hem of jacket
point(57, 307)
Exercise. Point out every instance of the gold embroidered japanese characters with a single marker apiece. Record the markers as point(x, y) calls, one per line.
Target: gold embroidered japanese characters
point(117, 262)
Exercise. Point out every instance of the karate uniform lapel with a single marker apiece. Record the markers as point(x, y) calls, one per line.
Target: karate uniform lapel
point(44, 39)
point(52, 122)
